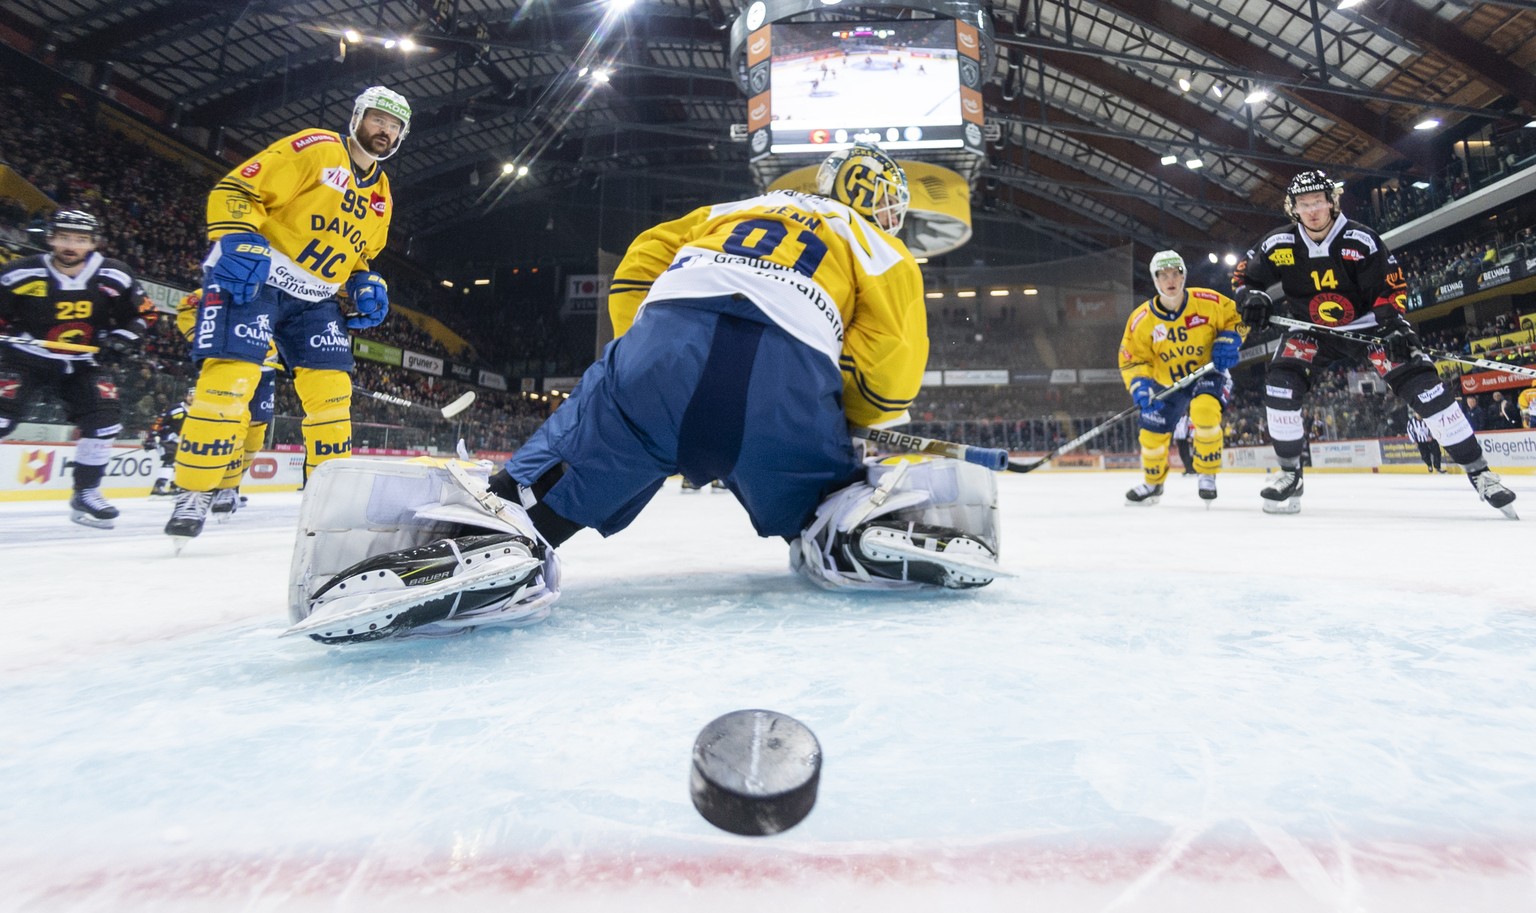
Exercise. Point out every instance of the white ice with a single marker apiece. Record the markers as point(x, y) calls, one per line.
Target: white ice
point(1167, 709)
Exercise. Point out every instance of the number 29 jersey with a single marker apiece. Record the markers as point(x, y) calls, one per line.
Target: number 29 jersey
point(815, 268)
point(42, 302)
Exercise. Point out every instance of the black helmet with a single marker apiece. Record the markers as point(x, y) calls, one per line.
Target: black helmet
point(73, 220)
point(1311, 182)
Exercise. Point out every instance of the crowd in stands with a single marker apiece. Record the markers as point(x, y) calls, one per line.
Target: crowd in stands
point(1498, 158)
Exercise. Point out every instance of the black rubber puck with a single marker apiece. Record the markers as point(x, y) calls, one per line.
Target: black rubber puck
point(755, 772)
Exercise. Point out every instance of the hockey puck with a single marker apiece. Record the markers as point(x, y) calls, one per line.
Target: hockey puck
point(755, 772)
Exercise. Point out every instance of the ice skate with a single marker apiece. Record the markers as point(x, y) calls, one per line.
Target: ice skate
point(1207, 489)
point(88, 508)
point(717, 486)
point(163, 488)
point(226, 501)
point(452, 582)
point(187, 517)
point(1282, 492)
point(689, 488)
point(1491, 488)
point(1145, 494)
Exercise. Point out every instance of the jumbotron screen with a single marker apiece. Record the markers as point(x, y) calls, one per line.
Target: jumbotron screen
point(895, 83)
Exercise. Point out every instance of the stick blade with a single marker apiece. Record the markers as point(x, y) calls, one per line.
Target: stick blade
point(458, 405)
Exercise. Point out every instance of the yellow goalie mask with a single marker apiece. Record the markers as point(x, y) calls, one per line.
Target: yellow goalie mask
point(868, 181)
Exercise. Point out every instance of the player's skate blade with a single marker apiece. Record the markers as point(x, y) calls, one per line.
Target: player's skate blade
point(378, 598)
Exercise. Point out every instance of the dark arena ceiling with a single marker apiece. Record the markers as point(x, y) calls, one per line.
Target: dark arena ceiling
point(1089, 98)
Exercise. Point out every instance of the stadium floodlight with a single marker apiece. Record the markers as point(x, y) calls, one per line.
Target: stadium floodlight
point(407, 44)
point(1531, 124)
point(1218, 90)
point(522, 171)
point(1212, 257)
point(508, 168)
point(1346, 4)
point(620, 6)
point(1255, 97)
point(352, 35)
point(933, 295)
point(966, 293)
point(389, 44)
point(998, 292)
point(1031, 291)
point(1421, 185)
point(1230, 259)
point(1428, 123)
point(1184, 84)
point(600, 76)
point(1194, 164)
point(1169, 159)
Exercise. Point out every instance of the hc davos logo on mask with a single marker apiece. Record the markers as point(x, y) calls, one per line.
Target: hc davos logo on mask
point(332, 338)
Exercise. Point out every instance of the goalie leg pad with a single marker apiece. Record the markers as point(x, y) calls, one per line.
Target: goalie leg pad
point(912, 524)
point(403, 591)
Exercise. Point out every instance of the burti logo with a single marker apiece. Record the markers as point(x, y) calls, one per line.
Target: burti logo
point(304, 142)
point(324, 449)
point(211, 448)
point(251, 170)
point(263, 468)
point(36, 467)
point(377, 203)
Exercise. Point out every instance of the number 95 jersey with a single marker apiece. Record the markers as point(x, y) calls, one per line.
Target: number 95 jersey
point(1166, 345)
point(813, 266)
point(323, 219)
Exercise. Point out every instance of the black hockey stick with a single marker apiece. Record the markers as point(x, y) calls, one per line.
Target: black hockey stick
point(1435, 354)
point(994, 458)
point(1180, 384)
point(448, 411)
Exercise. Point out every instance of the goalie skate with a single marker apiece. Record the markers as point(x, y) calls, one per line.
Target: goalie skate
point(444, 586)
point(928, 555)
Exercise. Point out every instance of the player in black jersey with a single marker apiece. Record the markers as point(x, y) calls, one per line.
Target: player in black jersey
point(1336, 272)
point(53, 305)
point(163, 435)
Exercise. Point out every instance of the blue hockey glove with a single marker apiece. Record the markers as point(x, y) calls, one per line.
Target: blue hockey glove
point(239, 264)
point(1143, 389)
point(370, 300)
point(1224, 351)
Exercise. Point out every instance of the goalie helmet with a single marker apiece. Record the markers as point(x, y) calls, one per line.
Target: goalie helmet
point(76, 220)
point(388, 101)
point(1167, 259)
point(869, 182)
point(1311, 182)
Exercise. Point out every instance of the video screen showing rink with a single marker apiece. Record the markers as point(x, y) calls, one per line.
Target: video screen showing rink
point(1171, 708)
point(895, 83)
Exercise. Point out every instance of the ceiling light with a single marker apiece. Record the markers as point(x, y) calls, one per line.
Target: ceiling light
point(1531, 124)
point(1217, 89)
point(508, 168)
point(407, 44)
point(482, 282)
point(1422, 185)
point(966, 293)
point(1031, 291)
point(922, 260)
point(583, 71)
point(1346, 4)
point(522, 171)
point(1230, 259)
point(599, 75)
point(447, 283)
point(1428, 123)
point(622, 5)
point(1194, 164)
point(1169, 159)
point(998, 292)
point(1213, 258)
point(934, 295)
point(389, 43)
point(1183, 84)
point(1254, 97)
point(352, 35)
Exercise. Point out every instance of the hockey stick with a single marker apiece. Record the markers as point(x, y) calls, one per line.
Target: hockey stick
point(1180, 384)
point(994, 458)
point(448, 411)
point(997, 458)
point(50, 344)
point(1435, 354)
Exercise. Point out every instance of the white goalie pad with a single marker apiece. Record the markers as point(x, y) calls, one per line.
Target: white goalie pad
point(355, 509)
point(927, 523)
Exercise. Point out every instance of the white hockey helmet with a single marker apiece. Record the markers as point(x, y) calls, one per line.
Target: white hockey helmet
point(1167, 259)
point(868, 181)
point(73, 220)
point(388, 101)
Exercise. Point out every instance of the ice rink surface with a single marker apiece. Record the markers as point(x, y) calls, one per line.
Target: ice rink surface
point(1167, 709)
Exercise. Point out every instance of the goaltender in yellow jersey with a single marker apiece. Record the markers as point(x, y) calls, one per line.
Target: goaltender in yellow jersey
point(293, 226)
point(1167, 337)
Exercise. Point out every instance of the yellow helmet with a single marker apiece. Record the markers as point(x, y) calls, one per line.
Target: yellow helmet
point(869, 182)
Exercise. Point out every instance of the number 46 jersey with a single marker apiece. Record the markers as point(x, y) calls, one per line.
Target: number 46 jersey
point(814, 267)
point(1166, 345)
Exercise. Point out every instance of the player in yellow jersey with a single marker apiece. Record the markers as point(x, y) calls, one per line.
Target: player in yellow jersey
point(292, 227)
point(749, 335)
point(1166, 337)
point(1527, 403)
